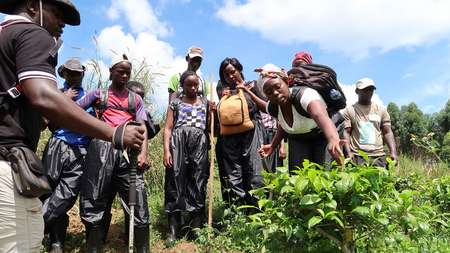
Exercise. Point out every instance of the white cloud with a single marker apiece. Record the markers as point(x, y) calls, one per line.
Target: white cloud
point(145, 46)
point(352, 27)
point(141, 43)
point(408, 75)
point(140, 16)
point(438, 89)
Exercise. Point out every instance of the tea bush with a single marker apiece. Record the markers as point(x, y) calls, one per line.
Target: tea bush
point(351, 208)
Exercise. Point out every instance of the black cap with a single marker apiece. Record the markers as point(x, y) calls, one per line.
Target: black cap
point(71, 15)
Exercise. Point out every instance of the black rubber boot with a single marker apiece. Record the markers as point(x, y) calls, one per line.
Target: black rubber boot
point(141, 239)
point(94, 239)
point(106, 224)
point(57, 234)
point(126, 227)
point(174, 221)
point(197, 222)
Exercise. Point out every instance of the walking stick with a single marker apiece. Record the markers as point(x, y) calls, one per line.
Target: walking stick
point(211, 166)
point(132, 160)
point(132, 198)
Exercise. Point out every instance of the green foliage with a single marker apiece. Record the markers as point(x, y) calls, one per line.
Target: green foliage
point(396, 121)
point(410, 121)
point(428, 144)
point(351, 208)
point(414, 123)
point(154, 177)
point(445, 150)
point(443, 118)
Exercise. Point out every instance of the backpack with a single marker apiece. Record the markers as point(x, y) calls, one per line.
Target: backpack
point(152, 128)
point(234, 116)
point(322, 79)
point(102, 104)
point(296, 95)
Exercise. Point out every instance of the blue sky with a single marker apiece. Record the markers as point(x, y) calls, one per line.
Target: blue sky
point(403, 45)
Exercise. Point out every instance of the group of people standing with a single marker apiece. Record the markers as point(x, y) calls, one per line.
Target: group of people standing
point(273, 109)
point(91, 131)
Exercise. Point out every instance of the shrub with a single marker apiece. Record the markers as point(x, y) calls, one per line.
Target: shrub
point(347, 208)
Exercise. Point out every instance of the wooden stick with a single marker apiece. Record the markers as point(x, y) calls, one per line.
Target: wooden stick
point(211, 166)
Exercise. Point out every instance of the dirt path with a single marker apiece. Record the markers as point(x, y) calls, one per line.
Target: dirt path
point(115, 243)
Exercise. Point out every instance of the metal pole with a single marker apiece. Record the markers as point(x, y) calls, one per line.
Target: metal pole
point(132, 198)
point(211, 166)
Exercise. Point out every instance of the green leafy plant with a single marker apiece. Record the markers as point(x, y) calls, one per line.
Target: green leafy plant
point(344, 205)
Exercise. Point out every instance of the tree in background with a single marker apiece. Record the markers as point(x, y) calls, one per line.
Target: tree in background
point(396, 123)
point(445, 151)
point(443, 121)
point(410, 121)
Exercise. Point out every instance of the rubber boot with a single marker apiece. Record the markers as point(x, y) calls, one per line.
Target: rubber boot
point(141, 239)
point(197, 222)
point(94, 239)
point(174, 220)
point(57, 234)
point(106, 224)
point(126, 227)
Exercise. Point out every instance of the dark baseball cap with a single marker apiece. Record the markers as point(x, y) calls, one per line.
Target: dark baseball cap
point(72, 64)
point(71, 15)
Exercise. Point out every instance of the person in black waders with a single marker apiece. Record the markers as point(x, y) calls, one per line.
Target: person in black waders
point(63, 161)
point(29, 43)
point(107, 171)
point(186, 157)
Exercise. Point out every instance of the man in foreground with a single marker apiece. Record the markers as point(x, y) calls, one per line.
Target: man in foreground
point(29, 42)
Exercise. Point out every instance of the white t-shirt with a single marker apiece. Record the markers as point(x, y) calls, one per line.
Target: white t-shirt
point(301, 124)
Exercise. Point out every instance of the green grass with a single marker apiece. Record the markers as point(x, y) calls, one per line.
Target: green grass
point(408, 166)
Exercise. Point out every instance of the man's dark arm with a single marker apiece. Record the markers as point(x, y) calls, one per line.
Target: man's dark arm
point(388, 138)
point(347, 134)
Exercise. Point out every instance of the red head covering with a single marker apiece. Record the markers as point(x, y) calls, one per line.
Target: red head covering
point(303, 56)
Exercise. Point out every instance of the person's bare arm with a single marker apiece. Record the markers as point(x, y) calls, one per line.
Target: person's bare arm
point(389, 139)
point(261, 104)
point(319, 114)
point(142, 158)
point(167, 136)
point(172, 95)
point(347, 134)
point(267, 149)
point(58, 108)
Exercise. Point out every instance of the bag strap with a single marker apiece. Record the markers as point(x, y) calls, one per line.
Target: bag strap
point(272, 109)
point(132, 103)
point(205, 101)
point(103, 105)
point(243, 103)
point(175, 103)
point(296, 96)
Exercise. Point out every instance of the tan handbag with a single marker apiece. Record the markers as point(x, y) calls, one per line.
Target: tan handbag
point(233, 113)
